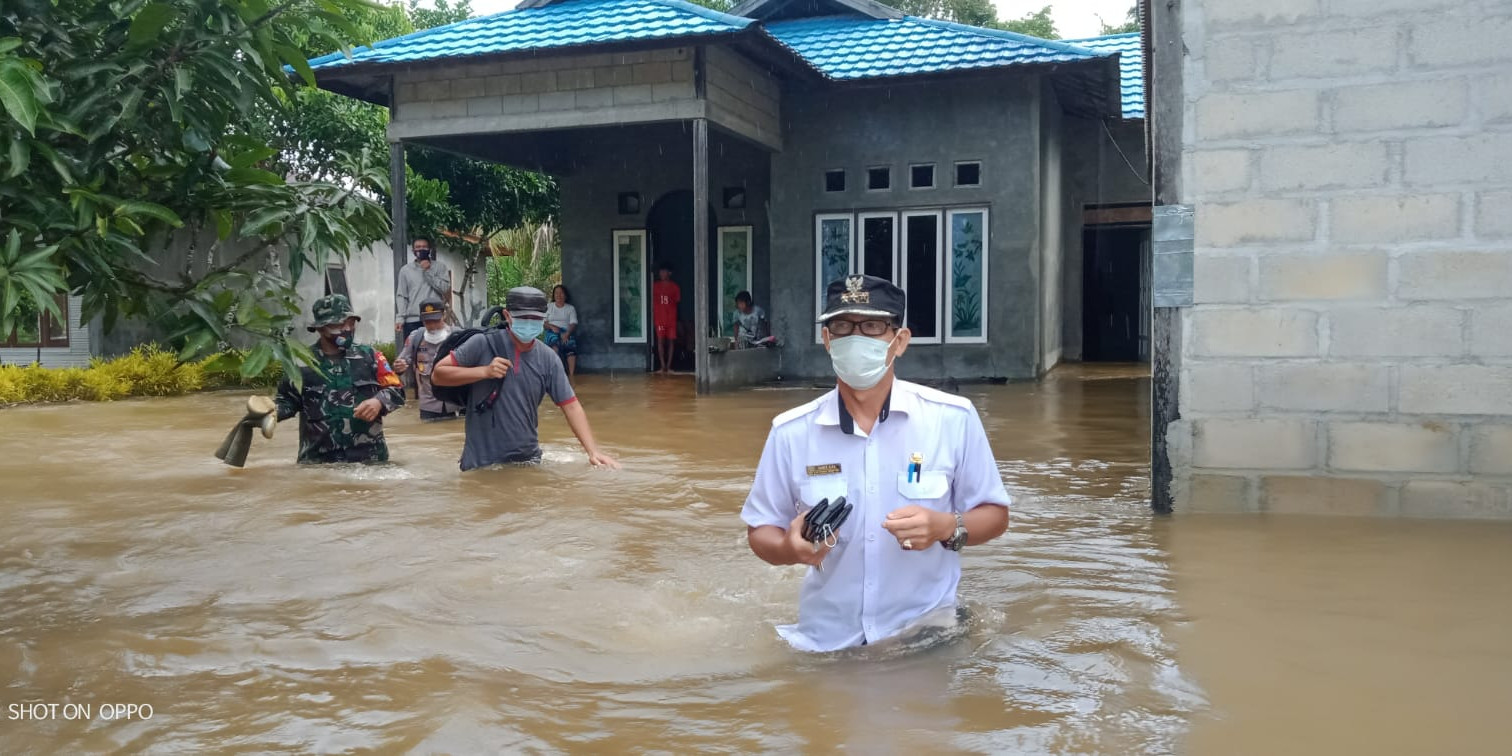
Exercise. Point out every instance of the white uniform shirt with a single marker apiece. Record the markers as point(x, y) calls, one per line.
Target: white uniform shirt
point(869, 587)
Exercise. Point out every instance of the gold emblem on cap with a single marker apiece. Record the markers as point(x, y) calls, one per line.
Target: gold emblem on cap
point(853, 293)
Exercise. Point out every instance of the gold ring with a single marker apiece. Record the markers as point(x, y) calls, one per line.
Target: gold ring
point(908, 543)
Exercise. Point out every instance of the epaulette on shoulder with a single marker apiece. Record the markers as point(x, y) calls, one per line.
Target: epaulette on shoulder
point(937, 396)
point(798, 412)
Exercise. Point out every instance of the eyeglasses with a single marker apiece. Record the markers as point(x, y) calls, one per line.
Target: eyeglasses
point(838, 327)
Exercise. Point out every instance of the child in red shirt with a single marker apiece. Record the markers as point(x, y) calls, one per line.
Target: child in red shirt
point(664, 298)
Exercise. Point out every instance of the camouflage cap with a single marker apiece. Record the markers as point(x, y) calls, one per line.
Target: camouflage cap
point(331, 309)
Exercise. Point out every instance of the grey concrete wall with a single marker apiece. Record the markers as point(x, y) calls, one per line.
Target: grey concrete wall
point(743, 97)
point(941, 122)
point(76, 354)
point(545, 92)
point(652, 161)
point(369, 274)
point(1347, 351)
point(743, 367)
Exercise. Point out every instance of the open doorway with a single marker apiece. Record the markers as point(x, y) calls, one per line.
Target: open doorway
point(669, 226)
point(1116, 291)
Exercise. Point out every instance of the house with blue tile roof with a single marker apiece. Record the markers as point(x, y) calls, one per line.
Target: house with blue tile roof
point(1000, 179)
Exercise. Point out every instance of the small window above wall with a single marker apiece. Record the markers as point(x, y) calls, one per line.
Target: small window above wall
point(336, 282)
point(878, 178)
point(968, 173)
point(921, 176)
point(834, 180)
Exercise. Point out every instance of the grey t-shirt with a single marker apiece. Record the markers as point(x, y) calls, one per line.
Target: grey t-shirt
point(507, 432)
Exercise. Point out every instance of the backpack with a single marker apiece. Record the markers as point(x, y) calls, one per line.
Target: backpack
point(458, 395)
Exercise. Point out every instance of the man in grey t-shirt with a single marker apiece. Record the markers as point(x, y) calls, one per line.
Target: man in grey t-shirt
point(522, 370)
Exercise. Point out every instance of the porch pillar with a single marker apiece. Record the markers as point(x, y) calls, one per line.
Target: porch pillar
point(701, 252)
point(399, 212)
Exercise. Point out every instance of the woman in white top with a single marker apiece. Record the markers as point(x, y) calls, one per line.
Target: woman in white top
point(561, 328)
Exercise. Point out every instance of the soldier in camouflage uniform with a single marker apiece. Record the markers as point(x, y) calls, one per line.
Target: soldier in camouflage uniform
point(345, 394)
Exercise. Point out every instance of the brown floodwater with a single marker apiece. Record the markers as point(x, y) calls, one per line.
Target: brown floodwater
point(565, 609)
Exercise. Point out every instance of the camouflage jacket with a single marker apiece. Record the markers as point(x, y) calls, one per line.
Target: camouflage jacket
point(333, 387)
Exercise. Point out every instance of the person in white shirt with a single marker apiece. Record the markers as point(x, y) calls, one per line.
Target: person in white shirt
point(561, 328)
point(914, 463)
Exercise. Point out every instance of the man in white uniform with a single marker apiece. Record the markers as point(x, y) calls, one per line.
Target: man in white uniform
point(915, 464)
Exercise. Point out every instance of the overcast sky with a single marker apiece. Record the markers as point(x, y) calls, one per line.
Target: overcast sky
point(1073, 18)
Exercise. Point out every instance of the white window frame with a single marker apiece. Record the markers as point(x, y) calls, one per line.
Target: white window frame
point(948, 250)
point(858, 261)
point(819, 282)
point(886, 168)
point(724, 306)
point(645, 337)
point(934, 176)
point(939, 281)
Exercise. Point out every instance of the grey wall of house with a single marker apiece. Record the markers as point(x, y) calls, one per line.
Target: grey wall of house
point(1094, 173)
point(991, 120)
point(652, 161)
point(76, 354)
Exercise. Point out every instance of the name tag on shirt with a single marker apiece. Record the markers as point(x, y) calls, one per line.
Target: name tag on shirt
point(815, 470)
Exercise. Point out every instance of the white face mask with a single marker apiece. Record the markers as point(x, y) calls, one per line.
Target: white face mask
point(437, 336)
point(859, 360)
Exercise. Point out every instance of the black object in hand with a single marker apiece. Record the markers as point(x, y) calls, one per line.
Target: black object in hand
point(824, 520)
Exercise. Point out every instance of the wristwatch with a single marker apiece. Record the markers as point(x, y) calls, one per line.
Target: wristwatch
point(957, 541)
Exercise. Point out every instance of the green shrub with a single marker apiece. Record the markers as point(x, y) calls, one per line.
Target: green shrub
point(388, 349)
point(224, 371)
point(147, 370)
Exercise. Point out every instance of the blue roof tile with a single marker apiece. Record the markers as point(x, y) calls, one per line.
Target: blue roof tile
point(1130, 64)
point(851, 47)
point(563, 24)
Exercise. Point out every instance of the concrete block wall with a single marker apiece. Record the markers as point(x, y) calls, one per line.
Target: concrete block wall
point(743, 97)
point(561, 91)
point(1348, 350)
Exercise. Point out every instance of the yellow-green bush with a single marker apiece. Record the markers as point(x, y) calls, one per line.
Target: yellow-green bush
point(147, 371)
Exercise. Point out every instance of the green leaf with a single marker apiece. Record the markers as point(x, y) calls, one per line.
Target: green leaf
point(18, 93)
point(196, 140)
point(183, 80)
point(211, 317)
point(297, 60)
point(251, 156)
point(58, 165)
point(9, 43)
point(151, 209)
point(149, 24)
point(222, 223)
point(254, 176)
point(257, 360)
point(20, 157)
point(197, 344)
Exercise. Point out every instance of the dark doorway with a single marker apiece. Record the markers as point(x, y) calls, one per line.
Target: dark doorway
point(1116, 293)
point(669, 226)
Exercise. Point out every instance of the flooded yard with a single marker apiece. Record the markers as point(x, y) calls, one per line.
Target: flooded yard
point(566, 609)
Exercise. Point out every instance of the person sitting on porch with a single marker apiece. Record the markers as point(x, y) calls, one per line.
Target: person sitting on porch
point(561, 328)
point(508, 377)
point(665, 295)
point(751, 327)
